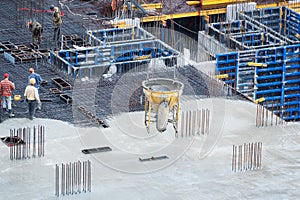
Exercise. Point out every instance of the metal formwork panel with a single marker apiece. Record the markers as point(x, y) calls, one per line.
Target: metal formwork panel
point(242, 35)
point(96, 60)
point(272, 74)
point(282, 20)
point(227, 65)
point(118, 35)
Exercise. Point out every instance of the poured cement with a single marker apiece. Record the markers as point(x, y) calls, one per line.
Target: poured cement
point(198, 167)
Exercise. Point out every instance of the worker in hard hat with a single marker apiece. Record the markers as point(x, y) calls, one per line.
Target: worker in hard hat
point(57, 20)
point(6, 88)
point(32, 97)
point(36, 29)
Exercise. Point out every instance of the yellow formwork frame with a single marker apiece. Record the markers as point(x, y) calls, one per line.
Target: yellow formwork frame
point(210, 11)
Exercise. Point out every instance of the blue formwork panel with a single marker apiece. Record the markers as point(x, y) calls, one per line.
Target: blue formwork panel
point(267, 16)
point(95, 60)
point(280, 19)
point(292, 23)
point(243, 35)
point(277, 79)
point(118, 35)
point(226, 64)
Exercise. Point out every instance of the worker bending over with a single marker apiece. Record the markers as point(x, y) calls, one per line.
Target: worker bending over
point(36, 29)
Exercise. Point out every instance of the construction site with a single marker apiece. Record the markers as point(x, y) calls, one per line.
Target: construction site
point(152, 100)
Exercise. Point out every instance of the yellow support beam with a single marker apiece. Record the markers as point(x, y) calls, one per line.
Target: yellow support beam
point(150, 6)
point(204, 12)
point(260, 100)
point(221, 76)
point(182, 15)
point(254, 64)
point(209, 4)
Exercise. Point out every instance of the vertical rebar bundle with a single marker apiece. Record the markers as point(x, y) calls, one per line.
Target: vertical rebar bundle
point(72, 175)
point(23, 139)
point(194, 122)
point(265, 117)
point(246, 157)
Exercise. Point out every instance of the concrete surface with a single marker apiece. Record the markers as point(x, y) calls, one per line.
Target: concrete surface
point(198, 167)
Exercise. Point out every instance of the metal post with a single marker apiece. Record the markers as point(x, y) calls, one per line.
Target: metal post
point(33, 150)
point(267, 114)
point(182, 124)
point(11, 152)
point(240, 158)
point(63, 179)
point(17, 146)
point(89, 176)
point(186, 123)
point(207, 121)
point(71, 178)
point(251, 154)
point(244, 156)
point(24, 145)
point(190, 122)
point(263, 116)
point(79, 177)
point(84, 176)
point(255, 156)
point(43, 134)
point(249, 157)
point(194, 123)
point(75, 177)
point(67, 179)
point(203, 122)
point(38, 140)
point(198, 121)
point(29, 141)
point(56, 180)
point(272, 114)
point(233, 159)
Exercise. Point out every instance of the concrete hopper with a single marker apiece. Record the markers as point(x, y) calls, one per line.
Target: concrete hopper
point(162, 103)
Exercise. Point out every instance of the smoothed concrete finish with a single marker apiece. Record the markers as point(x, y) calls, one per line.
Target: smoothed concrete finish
point(198, 167)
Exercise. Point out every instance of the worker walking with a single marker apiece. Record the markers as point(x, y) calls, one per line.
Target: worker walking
point(6, 87)
point(38, 79)
point(57, 20)
point(36, 29)
point(32, 97)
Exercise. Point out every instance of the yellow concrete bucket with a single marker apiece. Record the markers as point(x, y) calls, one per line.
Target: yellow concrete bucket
point(161, 96)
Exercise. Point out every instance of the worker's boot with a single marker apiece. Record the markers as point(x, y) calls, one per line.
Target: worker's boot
point(10, 113)
point(5, 111)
